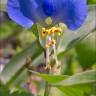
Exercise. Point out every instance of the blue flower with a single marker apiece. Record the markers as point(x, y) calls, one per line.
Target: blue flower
point(27, 12)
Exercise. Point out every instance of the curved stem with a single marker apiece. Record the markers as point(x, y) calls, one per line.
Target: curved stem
point(47, 89)
point(47, 56)
point(47, 51)
point(55, 54)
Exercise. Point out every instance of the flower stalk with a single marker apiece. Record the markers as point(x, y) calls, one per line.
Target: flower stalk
point(49, 35)
point(47, 89)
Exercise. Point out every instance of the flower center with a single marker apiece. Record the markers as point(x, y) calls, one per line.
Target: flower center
point(50, 35)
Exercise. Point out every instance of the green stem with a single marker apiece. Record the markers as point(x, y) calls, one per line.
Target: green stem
point(16, 76)
point(47, 89)
point(47, 58)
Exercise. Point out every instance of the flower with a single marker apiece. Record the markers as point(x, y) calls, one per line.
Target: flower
point(27, 12)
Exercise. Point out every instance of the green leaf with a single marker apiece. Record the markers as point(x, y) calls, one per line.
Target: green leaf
point(70, 38)
point(21, 94)
point(8, 28)
point(50, 78)
point(91, 1)
point(80, 78)
point(34, 29)
point(86, 51)
point(4, 91)
point(18, 78)
point(77, 85)
point(41, 39)
point(56, 92)
point(75, 90)
point(18, 61)
point(18, 92)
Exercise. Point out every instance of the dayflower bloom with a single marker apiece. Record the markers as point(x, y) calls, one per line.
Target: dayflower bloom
point(27, 12)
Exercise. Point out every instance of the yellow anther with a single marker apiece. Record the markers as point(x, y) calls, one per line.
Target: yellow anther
point(48, 32)
point(58, 30)
point(53, 29)
point(48, 67)
point(59, 34)
point(53, 42)
point(50, 43)
point(47, 46)
point(43, 32)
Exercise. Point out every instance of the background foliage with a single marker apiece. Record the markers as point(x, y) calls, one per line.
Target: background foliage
point(76, 51)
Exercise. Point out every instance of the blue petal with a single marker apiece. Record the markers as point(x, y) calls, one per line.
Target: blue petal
point(74, 13)
point(51, 7)
point(39, 10)
point(32, 9)
point(16, 15)
point(71, 12)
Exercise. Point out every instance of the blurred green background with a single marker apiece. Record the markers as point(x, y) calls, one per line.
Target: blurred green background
point(77, 52)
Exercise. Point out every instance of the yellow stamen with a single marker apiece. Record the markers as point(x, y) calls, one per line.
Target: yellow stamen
point(48, 32)
point(59, 34)
point(47, 46)
point(53, 42)
point(43, 32)
point(55, 30)
point(48, 67)
point(52, 31)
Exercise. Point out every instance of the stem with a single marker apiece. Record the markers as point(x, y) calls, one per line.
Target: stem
point(16, 76)
point(47, 89)
point(57, 68)
point(47, 51)
point(47, 56)
point(55, 54)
